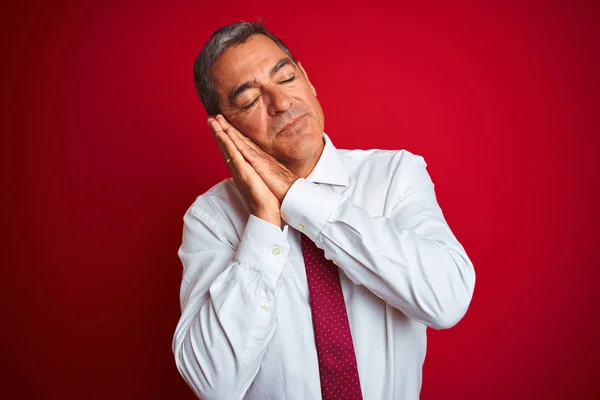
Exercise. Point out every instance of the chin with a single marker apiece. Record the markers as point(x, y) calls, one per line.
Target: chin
point(300, 146)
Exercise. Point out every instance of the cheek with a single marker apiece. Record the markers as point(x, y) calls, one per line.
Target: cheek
point(312, 100)
point(316, 109)
point(253, 126)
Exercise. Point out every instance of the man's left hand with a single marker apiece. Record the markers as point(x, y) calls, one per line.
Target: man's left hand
point(278, 178)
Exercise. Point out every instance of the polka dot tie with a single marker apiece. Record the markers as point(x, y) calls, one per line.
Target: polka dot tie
point(337, 361)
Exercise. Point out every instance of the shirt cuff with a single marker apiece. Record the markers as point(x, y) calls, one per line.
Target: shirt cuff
point(308, 206)
point(263, 246)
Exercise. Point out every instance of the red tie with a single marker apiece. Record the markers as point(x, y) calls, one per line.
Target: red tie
point(337, 361)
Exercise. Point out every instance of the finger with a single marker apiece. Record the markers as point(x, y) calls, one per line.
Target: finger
point(219, 130)
point(255, 156)
point(237, 159)
point(250, 152)
point(218, 133)
point(228, 150)
point(231, 129)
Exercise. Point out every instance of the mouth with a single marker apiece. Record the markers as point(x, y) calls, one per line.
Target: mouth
point(293, 123)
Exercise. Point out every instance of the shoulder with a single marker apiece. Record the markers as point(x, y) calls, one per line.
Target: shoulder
point(394, 161)
point(217, 207)
point(214, 199)
point(390, 174)
point(220, 196)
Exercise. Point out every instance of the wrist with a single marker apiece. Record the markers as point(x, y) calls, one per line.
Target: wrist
point(271, 217)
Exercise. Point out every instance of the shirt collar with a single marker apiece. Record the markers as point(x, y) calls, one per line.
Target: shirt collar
point(329, 169)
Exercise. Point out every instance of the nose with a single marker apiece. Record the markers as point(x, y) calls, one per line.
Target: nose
point(279, 101)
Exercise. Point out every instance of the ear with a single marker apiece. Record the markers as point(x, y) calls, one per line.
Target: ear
point(307, 80)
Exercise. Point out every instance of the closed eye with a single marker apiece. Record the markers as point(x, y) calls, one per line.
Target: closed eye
point(289, 79)
point(247, 107)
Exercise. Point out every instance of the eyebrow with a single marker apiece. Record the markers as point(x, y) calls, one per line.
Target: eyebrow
point(251, 83)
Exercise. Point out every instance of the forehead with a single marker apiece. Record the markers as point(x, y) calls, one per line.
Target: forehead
point(240, 63)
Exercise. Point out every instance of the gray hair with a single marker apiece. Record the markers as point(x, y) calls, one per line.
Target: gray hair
point(222, 39)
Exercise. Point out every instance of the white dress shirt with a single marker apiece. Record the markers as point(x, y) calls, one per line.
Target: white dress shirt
point(246, 330)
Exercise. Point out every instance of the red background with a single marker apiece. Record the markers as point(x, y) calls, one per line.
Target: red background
point(104, 146)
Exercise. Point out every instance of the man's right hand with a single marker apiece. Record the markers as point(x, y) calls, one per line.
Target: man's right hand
point(261, 201)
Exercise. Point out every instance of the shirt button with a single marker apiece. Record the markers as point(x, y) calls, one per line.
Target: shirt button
point(300, 226)
point(276, 251)
point(265, 306)
point(336, 262)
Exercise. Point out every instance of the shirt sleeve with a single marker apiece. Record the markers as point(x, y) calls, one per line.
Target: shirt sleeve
point(227, 297)
point(409, 258)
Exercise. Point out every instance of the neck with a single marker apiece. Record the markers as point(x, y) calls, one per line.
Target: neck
point(303, 168)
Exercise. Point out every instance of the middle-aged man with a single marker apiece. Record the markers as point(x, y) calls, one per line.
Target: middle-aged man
point(313, 272)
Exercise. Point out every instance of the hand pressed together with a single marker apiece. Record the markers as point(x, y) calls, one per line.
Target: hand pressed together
point(261, 179)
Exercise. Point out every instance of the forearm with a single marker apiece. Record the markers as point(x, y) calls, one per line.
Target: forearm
point(219, 343)
point(412, 261)
point(430, 279)
point(224, 331)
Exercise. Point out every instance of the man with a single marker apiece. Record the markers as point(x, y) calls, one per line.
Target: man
point(313, 272)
